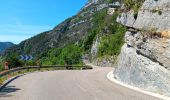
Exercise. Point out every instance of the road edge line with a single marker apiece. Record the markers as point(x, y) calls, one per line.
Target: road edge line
point(110, 76)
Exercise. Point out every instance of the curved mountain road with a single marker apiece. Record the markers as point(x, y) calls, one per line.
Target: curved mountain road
point(69, 85)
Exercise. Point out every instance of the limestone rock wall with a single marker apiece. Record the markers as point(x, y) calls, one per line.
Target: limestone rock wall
point(139, 66)
point(153, 14)
point(144, 61)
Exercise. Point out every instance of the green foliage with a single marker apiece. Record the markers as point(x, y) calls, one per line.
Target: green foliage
point(70, 55)
point(14, 61)
point(99, 19)
point(111, 33)
point(111, 43)
point(135, 15)
point(109, 1)
point(99, 23)
point(89, 41)
point(134, 5)
point(1, 64)
point(30, 63)
point(160, 12)
point(157, 11)
point(102, 24)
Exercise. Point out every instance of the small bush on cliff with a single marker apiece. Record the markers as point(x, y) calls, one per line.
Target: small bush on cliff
point(109, 1)
point(98, 24)
point(89, 41)
point(133, 5)
point(157, 11)
point(112, 42)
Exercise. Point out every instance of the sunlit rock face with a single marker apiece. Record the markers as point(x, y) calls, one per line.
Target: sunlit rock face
point(144, 64)
point(145, 57)
point(154, 14)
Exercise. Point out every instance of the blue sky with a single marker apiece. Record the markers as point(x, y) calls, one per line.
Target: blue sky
point(22, 19)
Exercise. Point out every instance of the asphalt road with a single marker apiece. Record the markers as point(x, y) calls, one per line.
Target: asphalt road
point(69, 85)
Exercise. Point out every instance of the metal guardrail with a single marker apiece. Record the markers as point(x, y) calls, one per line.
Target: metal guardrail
point(68, 67)
point(16, 69)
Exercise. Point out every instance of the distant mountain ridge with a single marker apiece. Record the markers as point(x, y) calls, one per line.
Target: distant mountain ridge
point(5, 45)
point(72, 30)
point(68, 42)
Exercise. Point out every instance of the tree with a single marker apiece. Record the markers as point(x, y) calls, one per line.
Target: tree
point(14, 61)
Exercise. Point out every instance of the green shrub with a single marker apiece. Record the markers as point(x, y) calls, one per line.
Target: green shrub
point(160, 12)
point(14, 61)
point(135, 15)
point(111, 44)
point(134, 5)
point(109, 1)
point(99, 23)
point(1, 64)
point(70, 55)
point(89, 41)
point(157, 11)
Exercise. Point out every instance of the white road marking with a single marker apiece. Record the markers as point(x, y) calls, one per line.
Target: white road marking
point(110, 76)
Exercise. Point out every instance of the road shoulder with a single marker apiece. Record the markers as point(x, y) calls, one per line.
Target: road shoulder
point(110, 76)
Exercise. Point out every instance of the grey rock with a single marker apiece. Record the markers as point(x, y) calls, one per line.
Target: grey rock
point(127, 18)
point(144, 61)
point(101, 6)
point(94, 48)
point(137, 70)
point(147, 19)
point(156, 49)
point(107, 61)
point(134, 39)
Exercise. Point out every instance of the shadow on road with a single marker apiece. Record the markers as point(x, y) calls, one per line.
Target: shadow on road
point(5, 92)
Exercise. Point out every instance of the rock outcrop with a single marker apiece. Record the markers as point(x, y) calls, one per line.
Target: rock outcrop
point(145, 57)
point(105, 61)
point(153, 14)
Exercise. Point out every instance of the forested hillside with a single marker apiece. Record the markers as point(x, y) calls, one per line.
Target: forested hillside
point(73, 38)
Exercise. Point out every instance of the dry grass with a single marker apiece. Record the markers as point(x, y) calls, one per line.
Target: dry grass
point(165, 34)
point(152, 33)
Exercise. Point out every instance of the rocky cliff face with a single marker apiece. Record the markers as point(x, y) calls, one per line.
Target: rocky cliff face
point(154, 14)
point(145, 57)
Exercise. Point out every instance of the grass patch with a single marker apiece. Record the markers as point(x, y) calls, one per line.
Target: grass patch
point(133, 5)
